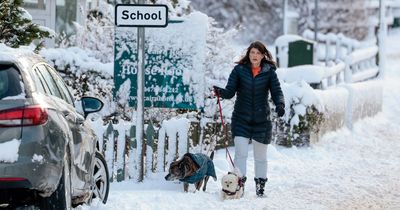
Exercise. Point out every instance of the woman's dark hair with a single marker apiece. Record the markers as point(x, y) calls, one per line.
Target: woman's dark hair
point(260, 47)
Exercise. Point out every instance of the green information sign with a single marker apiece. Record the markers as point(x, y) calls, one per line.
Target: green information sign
point(168, 72)
point(170, 65)
point(163, 80)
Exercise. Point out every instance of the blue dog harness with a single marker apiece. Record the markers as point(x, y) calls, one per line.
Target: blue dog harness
point(206, 168)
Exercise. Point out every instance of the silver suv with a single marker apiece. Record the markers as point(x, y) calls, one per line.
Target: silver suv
point(48, 154)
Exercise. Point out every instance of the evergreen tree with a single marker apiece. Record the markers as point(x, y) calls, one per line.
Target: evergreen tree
point(16, 26)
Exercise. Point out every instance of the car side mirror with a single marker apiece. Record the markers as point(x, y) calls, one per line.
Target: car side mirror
point(91, 104)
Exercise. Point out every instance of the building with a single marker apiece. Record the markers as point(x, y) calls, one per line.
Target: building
point(59, 15)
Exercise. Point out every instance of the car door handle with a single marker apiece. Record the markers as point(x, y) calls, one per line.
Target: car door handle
point(65, 113)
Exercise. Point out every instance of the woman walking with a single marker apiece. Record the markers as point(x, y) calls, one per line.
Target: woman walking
point(252, 79)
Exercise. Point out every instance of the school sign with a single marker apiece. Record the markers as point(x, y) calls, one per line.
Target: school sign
point(141, 15)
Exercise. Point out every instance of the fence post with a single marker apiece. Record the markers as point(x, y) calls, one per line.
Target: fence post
point(132, 162)
point(339, 47)
point(108, 149)
point(347, 71)
point(161, 150)
point(119, 154)
point(150, 145)
point(327, 48)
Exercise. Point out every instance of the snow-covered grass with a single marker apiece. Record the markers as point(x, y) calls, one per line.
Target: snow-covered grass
point(346, 170)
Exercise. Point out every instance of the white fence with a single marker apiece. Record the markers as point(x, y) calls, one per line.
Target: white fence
point(334, 47)
point(128, 159)
point(361, 65)
point(338, 60)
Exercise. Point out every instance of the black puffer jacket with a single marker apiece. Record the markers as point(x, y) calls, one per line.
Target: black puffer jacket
point(251, 115)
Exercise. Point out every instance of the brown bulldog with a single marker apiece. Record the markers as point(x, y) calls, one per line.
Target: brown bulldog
point(192, 169)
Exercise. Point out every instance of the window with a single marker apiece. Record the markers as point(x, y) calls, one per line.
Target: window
point(66, 95)
point(10, 81)
point(39, 84)
point(66, 15)
point(42, 81)
point(49, 81)
point(35, 4)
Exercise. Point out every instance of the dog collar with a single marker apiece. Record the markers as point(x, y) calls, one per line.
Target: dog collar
point(232, 193)
point(229, 192)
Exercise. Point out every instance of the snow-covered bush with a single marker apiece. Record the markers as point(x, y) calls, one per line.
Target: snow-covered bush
point(218, 65)
point(308, 123)
point(176, 8)
point(97, 34)
point(304, 114)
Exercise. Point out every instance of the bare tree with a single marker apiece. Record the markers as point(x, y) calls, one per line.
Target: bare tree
point(257, 19)
point(349, 17)
point(262, 19)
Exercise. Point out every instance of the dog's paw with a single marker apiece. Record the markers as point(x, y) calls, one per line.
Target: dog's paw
point(222, 196)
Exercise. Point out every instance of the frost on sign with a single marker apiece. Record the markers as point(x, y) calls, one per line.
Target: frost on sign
point(174, 74)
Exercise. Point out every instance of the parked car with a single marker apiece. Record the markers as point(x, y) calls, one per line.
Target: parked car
point(55, 163)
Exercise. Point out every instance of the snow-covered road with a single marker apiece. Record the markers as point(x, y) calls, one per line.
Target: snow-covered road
point(357, 169)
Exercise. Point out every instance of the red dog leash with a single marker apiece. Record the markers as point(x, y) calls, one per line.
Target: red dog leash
point(225, 130)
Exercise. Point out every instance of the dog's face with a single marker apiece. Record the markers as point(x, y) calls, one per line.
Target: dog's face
point(181, 168)
point(230, 182)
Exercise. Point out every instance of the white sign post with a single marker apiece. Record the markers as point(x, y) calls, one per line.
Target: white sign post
point(141, 15)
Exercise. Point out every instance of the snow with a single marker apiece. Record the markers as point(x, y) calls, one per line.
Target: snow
point(49, 30)
point(9, 151)
point(300, 95)
point(365, 99)
point(124, 92)
point(19, 96)
point(362, 54)
point(25, 14)
point(346, 169)
point(308, 73)
point(284, 40)
point(365, 74)
point(333, 70)
point(37, 158)
point(79, 59)
point(175, 128)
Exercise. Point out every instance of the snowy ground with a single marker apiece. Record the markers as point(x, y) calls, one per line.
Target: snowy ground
point(356, 169)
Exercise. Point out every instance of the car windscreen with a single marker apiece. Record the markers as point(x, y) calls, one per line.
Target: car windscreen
point(11, 84)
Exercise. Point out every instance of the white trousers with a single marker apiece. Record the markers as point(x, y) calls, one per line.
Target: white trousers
point(260, 156)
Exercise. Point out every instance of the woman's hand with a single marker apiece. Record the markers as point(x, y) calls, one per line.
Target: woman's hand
point(280, 110)
point(217, 90)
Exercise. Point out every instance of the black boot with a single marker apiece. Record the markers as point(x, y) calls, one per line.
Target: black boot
point(260, 184)
point(242, 181)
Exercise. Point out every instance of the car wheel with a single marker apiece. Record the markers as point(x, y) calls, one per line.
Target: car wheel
point(101, 178)
point(61, 198)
